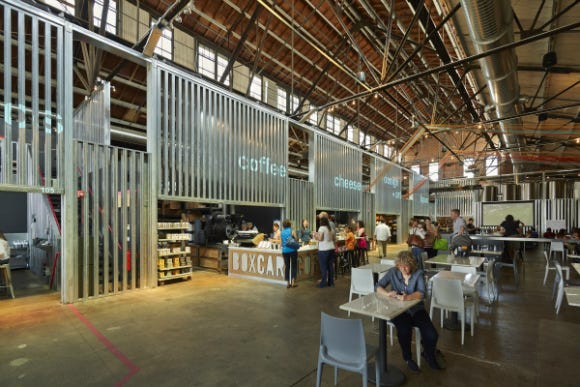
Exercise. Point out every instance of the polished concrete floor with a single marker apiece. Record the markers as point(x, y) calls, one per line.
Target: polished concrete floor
point(218, 331)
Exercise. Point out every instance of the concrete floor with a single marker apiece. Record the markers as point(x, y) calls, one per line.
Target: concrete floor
point(215, 330)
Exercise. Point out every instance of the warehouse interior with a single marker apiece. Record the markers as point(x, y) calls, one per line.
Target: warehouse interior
point(122, 119)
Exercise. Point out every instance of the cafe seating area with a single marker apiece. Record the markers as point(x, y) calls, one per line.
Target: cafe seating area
point(255, 333)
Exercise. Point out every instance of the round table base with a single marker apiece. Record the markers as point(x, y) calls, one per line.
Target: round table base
point(392, 377)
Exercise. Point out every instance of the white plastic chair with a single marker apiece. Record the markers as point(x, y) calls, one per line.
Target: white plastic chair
point(361, 283)
point(557, 247)
point(343, 345)
point(548, 268)
point(448, 296)
point(492, 291)
point(417, 340)
point(468, 291)
point(560, 283)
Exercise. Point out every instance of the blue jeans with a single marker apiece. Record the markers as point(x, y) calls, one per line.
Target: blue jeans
point(326, 261)
point(417, 254)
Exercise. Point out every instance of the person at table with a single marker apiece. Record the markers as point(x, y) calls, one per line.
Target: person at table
point(510, 226)
point(511, 229)
point(349, 244)
point(407, 283)
point(325, 238)
point(549, 234)
point(290, 254)
point(382, 235)
point(458, 221)
point(416, 243)
point(304, 233)
point(470, 227)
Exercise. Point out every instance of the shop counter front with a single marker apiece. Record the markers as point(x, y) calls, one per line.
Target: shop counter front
point(268, 264)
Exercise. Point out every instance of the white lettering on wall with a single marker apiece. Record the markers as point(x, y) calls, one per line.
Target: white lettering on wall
point(280, 266)
point(341, 182)
point(261, 268)
point(262, 165)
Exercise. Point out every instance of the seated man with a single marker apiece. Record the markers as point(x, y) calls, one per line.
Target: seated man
point(407, 283)
point(461, 243)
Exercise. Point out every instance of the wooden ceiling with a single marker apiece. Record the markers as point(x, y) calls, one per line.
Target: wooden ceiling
point(380, 66)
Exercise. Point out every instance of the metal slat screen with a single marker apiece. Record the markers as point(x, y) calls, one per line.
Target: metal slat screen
point(111, 220)
point(92, 118)
point(216, 147)
point(420, 195)
point(301, 202)
point(387, 188)
point(31, 128)
point(338, 170)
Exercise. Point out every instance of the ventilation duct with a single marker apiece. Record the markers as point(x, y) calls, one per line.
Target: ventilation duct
point(490, 26)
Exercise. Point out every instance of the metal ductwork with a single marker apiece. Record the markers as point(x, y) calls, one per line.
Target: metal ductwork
point(490, 25)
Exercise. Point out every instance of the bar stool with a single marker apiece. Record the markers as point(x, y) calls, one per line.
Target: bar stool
point(6, 278)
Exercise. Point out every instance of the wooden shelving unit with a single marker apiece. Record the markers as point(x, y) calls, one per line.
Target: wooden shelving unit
point(173, 254)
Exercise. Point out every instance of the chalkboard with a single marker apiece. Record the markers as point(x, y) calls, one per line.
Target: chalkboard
point(495, 212)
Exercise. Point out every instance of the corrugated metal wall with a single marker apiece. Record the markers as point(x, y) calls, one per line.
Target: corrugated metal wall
point(567, 209)
point(301, 203)
point(338, 170)
point(368, 213)
point(33, 105)
point(93, 117)
point(217, 147)
point(387, 188)
point(463, 200)
point(111, 212)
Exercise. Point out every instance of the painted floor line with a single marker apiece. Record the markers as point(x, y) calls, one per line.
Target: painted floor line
point(133, 369)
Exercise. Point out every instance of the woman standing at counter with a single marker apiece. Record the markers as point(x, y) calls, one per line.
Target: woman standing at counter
point(290, 254)
point(325, 238)
point(276, 232)
point(304, 233)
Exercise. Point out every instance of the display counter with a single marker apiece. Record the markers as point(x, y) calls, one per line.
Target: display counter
point(268, 264)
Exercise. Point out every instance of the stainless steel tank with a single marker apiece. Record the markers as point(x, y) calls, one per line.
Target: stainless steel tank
point(489, 193)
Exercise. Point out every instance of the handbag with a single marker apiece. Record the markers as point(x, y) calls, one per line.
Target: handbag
point(291, 243)
point(440, 244)
point(362, 242)
point(415, 240)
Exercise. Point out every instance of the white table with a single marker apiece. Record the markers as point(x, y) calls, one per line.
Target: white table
point(573, 295)
point(576, 266)
point(376, 268)
point(384, 308)
point(467, 279)
point(450, 260)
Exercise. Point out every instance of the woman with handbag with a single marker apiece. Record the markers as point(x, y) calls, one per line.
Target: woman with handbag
point(361, 246)
point(290, 253)
point(416, 239)
point(431, 232)
point(325, 238)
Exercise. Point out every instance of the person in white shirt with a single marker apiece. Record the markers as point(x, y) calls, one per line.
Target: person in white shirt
point(4, 249)
point(382, 236)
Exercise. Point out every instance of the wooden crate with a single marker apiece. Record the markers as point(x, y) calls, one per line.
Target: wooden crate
point(210, 258)
point(210, 252)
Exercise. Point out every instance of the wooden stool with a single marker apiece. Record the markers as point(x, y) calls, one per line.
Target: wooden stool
point(6, 278)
